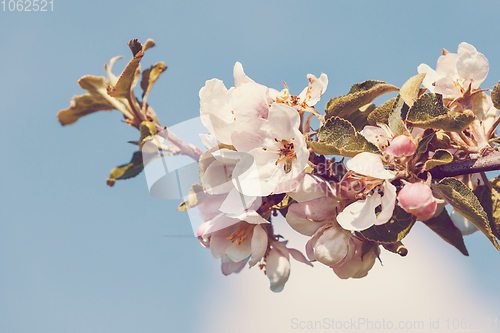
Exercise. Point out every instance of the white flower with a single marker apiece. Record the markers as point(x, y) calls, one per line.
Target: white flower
point(223, 110)
point(277, 154)
point(368, 170)
point(308, 97)
point(456, 72)
point(359, 265)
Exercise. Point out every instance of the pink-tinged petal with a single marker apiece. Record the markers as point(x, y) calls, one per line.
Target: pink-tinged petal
point(215, 110)
point(217, 178)
point(359, 215)
point(369, 164)
point(464, 225)
point(259, 244)
point(311, 187)
point(375, 135)
point(283, 119)
point(250, 100)
point(299, 256)
point(259, 178)
point(210, 208)
point(236, 203)
point(288, 185)
point(219, 242)
point(311, 243)
point(302, 225)
point(334, 247)
point(237, 252)
point(388, 201)
point(228, 266)
point(253, 135)
point(446, 64)
point(307, 217)
point(473, 66)
point(446, 86)
point(401, 145)
point(277, 269)
point(357, 267)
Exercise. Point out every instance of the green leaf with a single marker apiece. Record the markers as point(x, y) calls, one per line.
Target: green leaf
point(495, 96)
point(444, 227)
point(338, 137)
point(127, 170)
point(381, 113)
point(195, 195)
point(358, 118)
point(429, 112)
point(440, 157)
point(359, 95)
point(411, 89)
point(424, 141)
point(466, 204)
point(393, 231)
point(490, 201)
point(149, 77)
point(81, 106)
point(397, 116)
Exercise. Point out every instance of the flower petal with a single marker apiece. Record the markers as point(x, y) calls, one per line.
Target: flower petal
point(259, 244)
point(369, 164)
point(388, 201)
point(359, 215)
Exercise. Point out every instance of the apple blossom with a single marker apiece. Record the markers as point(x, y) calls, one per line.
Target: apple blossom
point(359, 265)
point(220, 108)
point(368, 170)
point(308, 97)
point(455, 72)
point(276, 149)
point(417, 199)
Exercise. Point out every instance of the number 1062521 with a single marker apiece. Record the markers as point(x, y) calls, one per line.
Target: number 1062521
point(27, 5)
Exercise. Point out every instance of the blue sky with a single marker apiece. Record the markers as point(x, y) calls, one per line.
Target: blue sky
point(78, 256)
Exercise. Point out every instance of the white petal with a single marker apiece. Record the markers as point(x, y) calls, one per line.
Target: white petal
point(236, 203)
point(228, 266)
point(259, 244)
point(311, 187)
point(473, 66)
point(369, 164)
point(359, 215)
point(430, 77)
point(239, 75)
point(466, 47)
point(283, 119)
point(388, 201)
point(277, 269)
point(239, 252)
point(446, 65)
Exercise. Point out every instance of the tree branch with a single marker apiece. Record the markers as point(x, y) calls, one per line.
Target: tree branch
point(489, 162)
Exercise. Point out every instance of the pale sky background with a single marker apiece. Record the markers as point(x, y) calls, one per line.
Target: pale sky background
point(78, 256)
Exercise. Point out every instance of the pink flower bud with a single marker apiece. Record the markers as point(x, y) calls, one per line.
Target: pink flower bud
point(417, 199)
point(401, 145)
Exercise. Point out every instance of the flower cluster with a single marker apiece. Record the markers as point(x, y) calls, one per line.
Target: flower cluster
point(407, 161)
